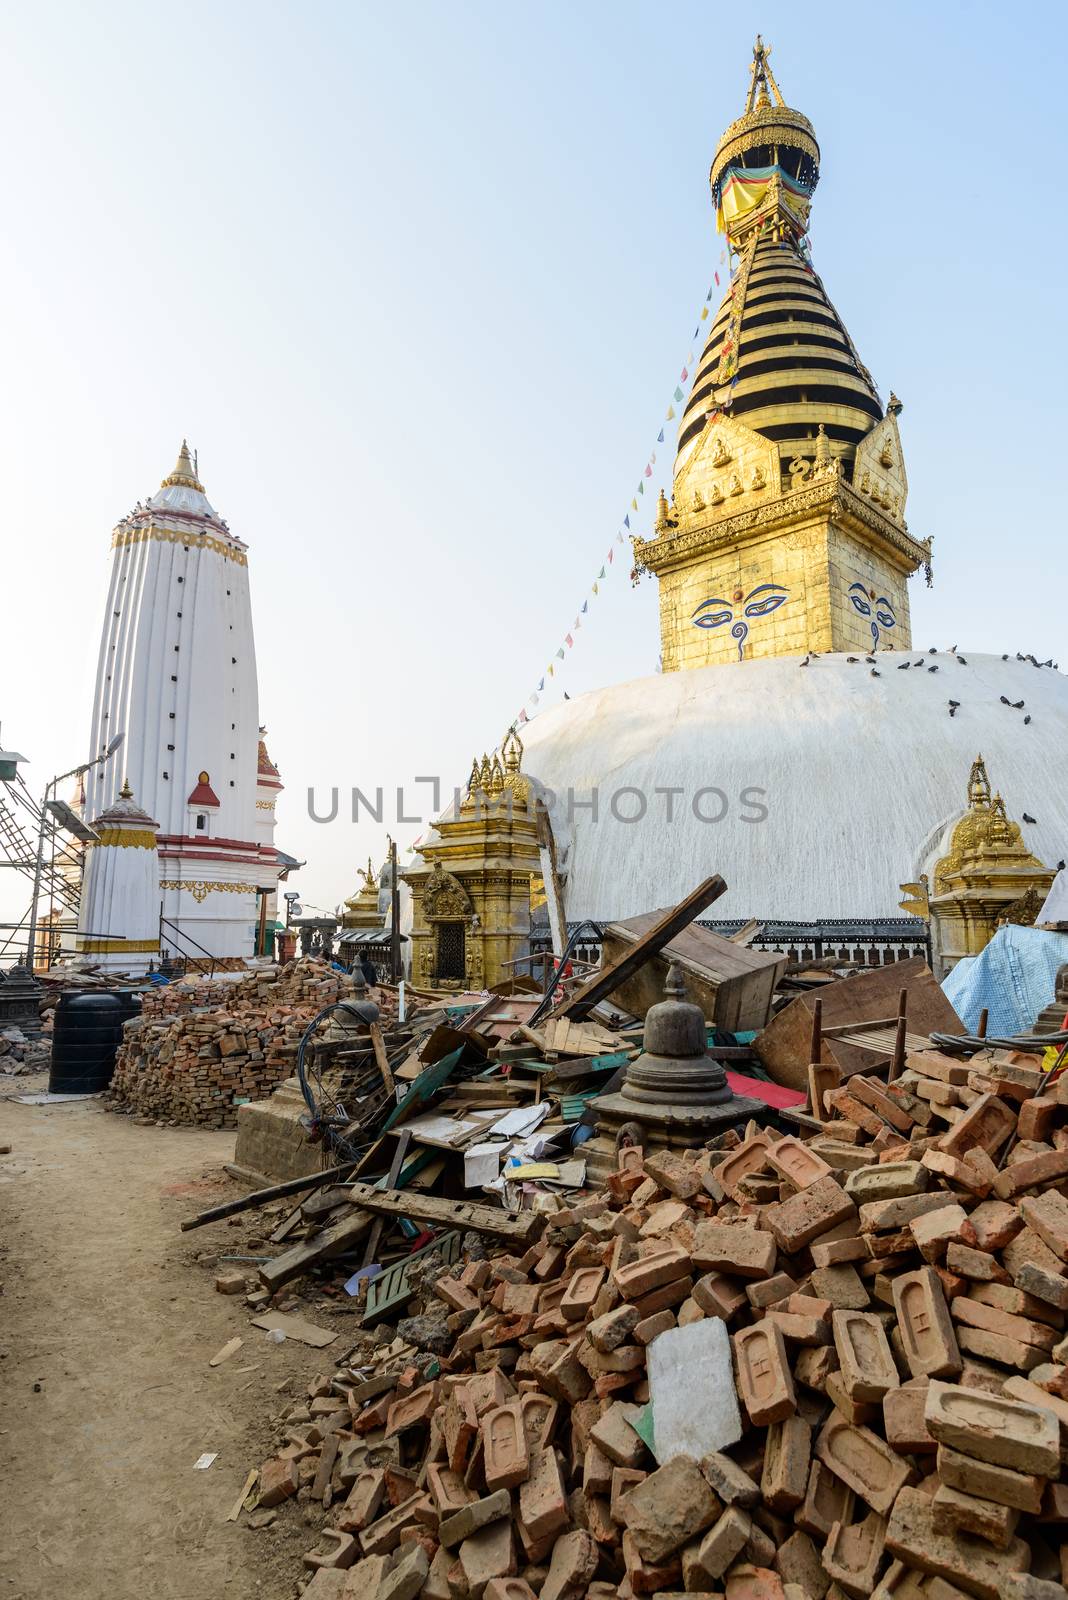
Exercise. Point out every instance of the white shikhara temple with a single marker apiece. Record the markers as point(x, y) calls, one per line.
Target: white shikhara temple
point(177, 678)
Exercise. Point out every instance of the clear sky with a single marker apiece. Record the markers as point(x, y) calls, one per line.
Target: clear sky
point(417, 281)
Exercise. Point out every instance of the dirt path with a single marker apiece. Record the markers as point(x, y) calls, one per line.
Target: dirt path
point(107, 1322)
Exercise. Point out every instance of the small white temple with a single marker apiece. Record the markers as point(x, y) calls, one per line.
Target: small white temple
point(177, 677)
point(120, 890)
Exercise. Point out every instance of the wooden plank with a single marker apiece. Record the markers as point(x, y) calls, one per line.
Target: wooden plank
point(322, 1202)
point(229, 1349)
point(784, 1045)
point(260, 1197)
point(235, 1510)
point(329, 1242)
point(286, 1227)
point(607, 979)
point(404, 1139)
point(381, 1059)
point(519, 1227)
point(427, 1084)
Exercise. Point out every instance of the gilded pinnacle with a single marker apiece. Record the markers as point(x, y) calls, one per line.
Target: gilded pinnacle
point(184, 472)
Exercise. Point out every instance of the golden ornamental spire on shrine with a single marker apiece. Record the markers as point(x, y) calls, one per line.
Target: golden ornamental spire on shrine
point(785, 531)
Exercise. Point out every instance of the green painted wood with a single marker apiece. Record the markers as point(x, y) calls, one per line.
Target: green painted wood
point(427, 1084)
point(391, 1290)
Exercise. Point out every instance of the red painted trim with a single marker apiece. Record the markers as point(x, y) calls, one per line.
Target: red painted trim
point(191, 838)
point(267, 859)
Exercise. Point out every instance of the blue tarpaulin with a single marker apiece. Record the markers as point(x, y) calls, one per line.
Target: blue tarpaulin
point(1013, 978)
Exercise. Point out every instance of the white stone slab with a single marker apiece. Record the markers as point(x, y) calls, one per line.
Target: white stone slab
point(691, 1390)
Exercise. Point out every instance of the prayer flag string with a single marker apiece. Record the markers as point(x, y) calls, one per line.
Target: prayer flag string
point(678, 397)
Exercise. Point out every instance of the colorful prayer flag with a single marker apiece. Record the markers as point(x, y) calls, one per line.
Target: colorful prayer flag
point(670, 414)
point(601, 573)
point(585, 607)
point(595, 589)
point(717, 278)
point(641, 488)
point(626, 520)
point(523, 717)
point(660, 437)
point(704, 313)
point(634, 505)
point(541, 685)
point(611, 555)
point(552, 669)
point(619, 538)
point(677, 396)
point(534, 699)
point(560, 652)
point(568, 641)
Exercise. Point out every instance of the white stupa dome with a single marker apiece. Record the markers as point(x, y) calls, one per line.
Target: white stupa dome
point(859, 775)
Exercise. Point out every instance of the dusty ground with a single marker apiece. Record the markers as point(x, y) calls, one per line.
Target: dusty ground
point(107, 1323)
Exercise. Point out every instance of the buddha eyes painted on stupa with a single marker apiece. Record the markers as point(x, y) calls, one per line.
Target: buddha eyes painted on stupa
point(739, 610)
point(879, 611)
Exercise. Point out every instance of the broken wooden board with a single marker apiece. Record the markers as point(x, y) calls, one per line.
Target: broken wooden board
point(564, 1037)
point(427, 1084)
point(295, 1328)
point(391, 1290)
point(785, 1044)
point(229, 1349)
point(522, 1227)
point(607, 979)
point(381, 1058)
point(731, 983)
point(250, 1483)
point(327, 1243)
point(404, 1139)
point(276, 1191)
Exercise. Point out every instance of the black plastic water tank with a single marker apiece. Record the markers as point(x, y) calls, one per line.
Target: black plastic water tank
point(87, 1033)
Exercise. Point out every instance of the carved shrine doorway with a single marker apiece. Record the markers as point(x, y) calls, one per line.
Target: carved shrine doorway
point(449, 965)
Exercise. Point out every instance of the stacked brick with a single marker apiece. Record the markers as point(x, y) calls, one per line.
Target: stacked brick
point(201, 1047)
point(890, 1303)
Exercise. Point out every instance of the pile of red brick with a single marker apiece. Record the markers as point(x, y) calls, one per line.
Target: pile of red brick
point(202, 1046)
point(869, 1324)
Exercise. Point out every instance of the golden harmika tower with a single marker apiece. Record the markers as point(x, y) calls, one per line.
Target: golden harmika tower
point(786, 530)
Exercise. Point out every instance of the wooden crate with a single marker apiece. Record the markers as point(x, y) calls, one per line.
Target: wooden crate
point(732, 984)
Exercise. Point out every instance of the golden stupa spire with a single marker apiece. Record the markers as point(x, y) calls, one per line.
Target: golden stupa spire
point(761, 79)
point(783, 430)
point(185, 471)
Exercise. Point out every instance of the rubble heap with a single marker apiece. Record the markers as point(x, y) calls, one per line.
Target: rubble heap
point(21, 1054)
point(202, 1046)
point(777, 1369)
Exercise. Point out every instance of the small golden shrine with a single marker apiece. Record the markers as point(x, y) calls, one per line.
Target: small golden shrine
point(786, 529)
point(361, 909)
point(987, 876)
point(471, 891)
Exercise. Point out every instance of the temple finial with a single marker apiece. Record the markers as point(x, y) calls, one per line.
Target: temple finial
point(762, 79)
point(184, 471)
